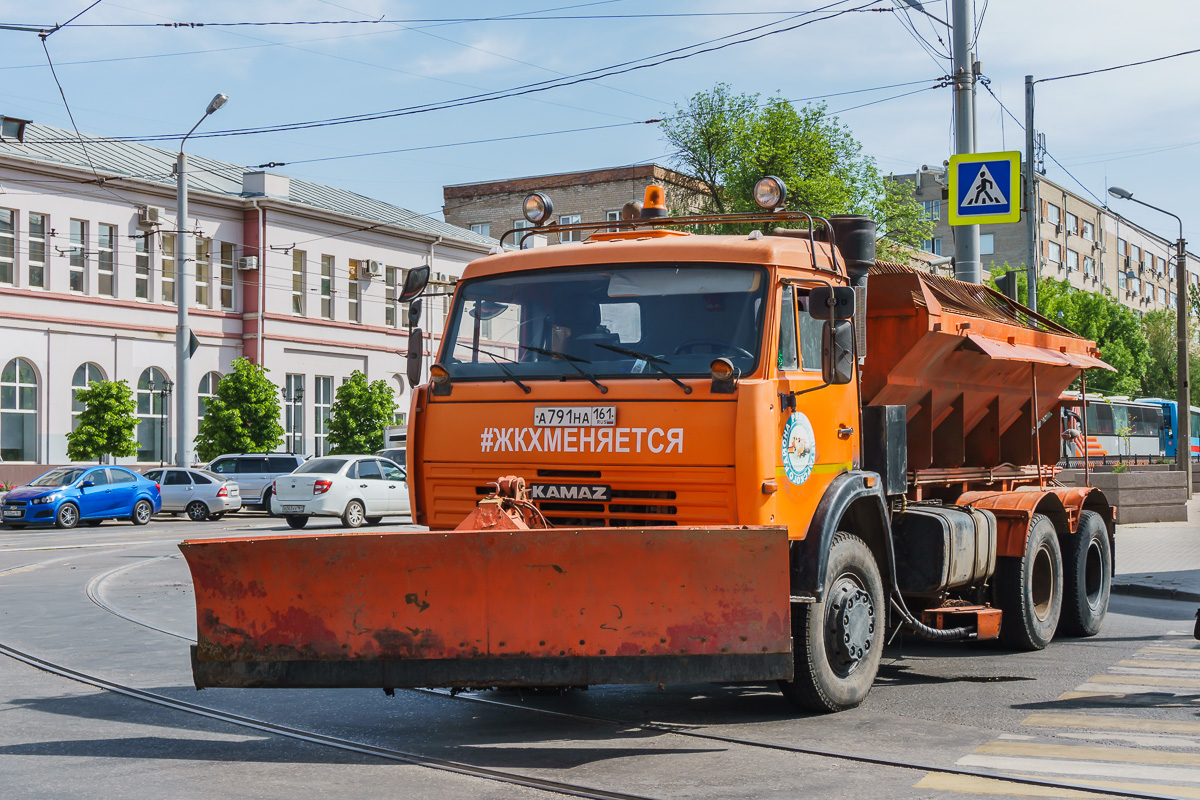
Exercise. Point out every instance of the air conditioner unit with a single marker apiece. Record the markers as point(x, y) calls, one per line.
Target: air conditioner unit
point(247, 263)
point(1126, 261)
point(1058, 228)
point(148, 215)
point(372, 269)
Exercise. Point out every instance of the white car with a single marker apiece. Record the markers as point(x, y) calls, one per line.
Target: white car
point(198, 493)
point(356, 488)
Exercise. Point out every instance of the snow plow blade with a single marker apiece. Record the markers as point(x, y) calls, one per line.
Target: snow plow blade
point(542, 607)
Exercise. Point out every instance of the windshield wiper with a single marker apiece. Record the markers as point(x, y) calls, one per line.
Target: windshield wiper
point(503, 368)
point(570, 360)
point(651, 361)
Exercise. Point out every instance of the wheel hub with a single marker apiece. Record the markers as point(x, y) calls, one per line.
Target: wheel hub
point(850, 626)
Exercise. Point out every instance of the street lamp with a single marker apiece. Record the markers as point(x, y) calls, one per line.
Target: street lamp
point(183, 291)
point(164, 396)
point(1183, 433)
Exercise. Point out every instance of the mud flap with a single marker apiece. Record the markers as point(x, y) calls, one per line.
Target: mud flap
point(492, 608)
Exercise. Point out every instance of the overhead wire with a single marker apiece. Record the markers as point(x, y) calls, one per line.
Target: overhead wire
point(1118, 66)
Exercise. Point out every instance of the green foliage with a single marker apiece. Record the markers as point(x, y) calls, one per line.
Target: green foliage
point(359, 414)
point(244, 415)
point(108, 423)
point(727, 142)
point(1159, 328)
point(1022, 280)
point(1120, 469)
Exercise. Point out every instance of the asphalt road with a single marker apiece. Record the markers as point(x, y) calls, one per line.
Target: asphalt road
point(114, 603)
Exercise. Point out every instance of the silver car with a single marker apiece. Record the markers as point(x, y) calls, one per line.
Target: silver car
point(201, 494)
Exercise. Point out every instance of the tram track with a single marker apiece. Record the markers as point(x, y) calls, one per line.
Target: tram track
point(93, 593)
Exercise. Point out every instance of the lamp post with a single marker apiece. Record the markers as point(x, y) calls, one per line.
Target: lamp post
point(1183, 433)
point(183, 292)
point(164, 397)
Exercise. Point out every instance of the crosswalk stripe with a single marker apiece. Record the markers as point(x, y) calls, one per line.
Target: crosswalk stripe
point(967, 784)
point(1089, 769)
point(1148, 680)
point(1175, 673)
point(1102, 722)
point(1146, 663)
point(1119, 688)
point(1089, 752)
point(1181, 651)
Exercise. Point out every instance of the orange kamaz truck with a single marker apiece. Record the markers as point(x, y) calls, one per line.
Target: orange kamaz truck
point(662, 456)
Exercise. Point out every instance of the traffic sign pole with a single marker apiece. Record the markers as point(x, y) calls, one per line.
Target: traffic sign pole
point(966, 239)
point(1032, 212)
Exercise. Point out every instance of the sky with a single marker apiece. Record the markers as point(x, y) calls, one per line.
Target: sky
point(1138, 128)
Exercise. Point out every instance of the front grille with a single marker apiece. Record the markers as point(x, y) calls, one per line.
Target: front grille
point(15, 503)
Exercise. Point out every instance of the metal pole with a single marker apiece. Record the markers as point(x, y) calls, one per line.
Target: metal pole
point(966, 238)
point(1032, 212)
point(1183, 442)
point(183, 331)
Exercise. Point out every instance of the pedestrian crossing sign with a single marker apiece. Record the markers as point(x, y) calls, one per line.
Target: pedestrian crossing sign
point(985, 188)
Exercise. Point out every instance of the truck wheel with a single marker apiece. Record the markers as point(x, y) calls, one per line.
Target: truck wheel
point(1029, 590)
point(837, 643)
point(1087, 576)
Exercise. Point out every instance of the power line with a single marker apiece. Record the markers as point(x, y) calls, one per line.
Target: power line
point(1119, 66)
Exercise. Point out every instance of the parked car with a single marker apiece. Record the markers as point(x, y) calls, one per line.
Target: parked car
point(396, 454)
point(357, 488)
point(254, 473)
point(67, 495)
point(198, 493)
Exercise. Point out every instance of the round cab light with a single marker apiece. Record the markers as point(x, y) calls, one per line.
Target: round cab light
point(538, 208)
point(631, 210)
point(770, 193)
point(655, 204)
point(722, 369)
point(439, 374)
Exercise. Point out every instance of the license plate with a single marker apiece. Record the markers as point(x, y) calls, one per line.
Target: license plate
point(293, 509)
point(13, 512)
point(575, 416)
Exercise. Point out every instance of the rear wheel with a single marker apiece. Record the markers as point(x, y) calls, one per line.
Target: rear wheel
point(197, 511)
point(267, 503)
point(216, 516)
point(354, 515)
point(374, 520)
point(67, 517)
point(142, 512)
point(1029, 590)
point(296, 521)
point(837, 643)
point(1087, 576)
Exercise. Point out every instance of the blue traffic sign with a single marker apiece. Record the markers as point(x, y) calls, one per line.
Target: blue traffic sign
point(985, 188)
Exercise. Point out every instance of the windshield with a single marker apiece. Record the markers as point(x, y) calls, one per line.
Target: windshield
point(321, 466)
point(58, 477)
point(608, 321)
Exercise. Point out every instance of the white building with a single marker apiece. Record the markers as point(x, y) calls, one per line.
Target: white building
point(87, 285)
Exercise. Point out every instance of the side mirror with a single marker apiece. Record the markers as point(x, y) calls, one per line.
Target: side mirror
point(837, 352)
point(831, 302)
point(414, 283)
point(416, 355)
point(414, 314)
point(87, 483)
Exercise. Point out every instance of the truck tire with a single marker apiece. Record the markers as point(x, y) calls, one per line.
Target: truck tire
point(1029, 590)
point(837, 643)
point(1087, 576)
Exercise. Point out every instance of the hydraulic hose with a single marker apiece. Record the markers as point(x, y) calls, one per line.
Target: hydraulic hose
point(926, 632)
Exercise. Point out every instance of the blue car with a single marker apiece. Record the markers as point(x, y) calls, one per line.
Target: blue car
point(66, 495)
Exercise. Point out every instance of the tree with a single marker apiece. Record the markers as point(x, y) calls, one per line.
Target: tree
point(107, 424)
point(1159, 329)
point(244, 415)
point(359, 413)
point(726, 142)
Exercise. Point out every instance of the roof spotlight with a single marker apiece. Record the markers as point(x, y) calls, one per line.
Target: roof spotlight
point(770, 193)
point(537, 208)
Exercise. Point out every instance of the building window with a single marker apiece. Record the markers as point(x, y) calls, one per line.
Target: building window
point(85, 375)
point(326, 287)
point(153, 414)
point(8, 245)
point(482, 228)
point(1052, 214)
point(141, 260)
point(208, 390)
point(203, 271)
point(298, 259)
point(106, 259)
point(987, 244)
point(1174, 299)
point(322, 402)
point(570, 236)
point(78, 255)
point(1072, 261)
point(1171, 268)
point(1089, 266)
point(389, 310)
point(37, 250)
point(227, 276)
point(1135, 254)
point(1132, 283)
point(1055, 253)
point(931, 209)
point(932, 246)
point(293, 413)
point(1089, 231)
point(1120, 247)
point(18, 411)
point(1072, 223)
point(352, 297)
point(612, 216)
point(518, 237)
point(168, 268)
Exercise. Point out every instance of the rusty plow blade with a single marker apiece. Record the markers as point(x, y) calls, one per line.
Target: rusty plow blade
point(542, 607)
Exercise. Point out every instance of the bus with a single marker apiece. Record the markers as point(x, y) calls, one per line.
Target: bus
point(1171, 424)
point(1119, 428)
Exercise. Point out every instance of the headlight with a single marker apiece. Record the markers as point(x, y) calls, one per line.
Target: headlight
point(44, 499)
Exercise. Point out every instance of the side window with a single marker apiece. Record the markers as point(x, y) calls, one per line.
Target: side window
point(225, 466)
point(810, 338)
point(252, 466)
point(352, 470)
point(121, 476)
point(369, 470)
point(281, 464)
point(98, 477)
point(199, 479)
point(789, 358)
point(177, 478)
point(391, 472)
point(153, 475)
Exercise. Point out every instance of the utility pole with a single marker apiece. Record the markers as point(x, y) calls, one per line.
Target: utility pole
point(1032, 212)
point(183, 330)
point(966, 239)
point(1183, 389)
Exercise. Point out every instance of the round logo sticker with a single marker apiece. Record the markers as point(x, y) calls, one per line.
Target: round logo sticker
point(799, 448)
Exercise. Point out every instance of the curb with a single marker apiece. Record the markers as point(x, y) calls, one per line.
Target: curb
point(1160, 592)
